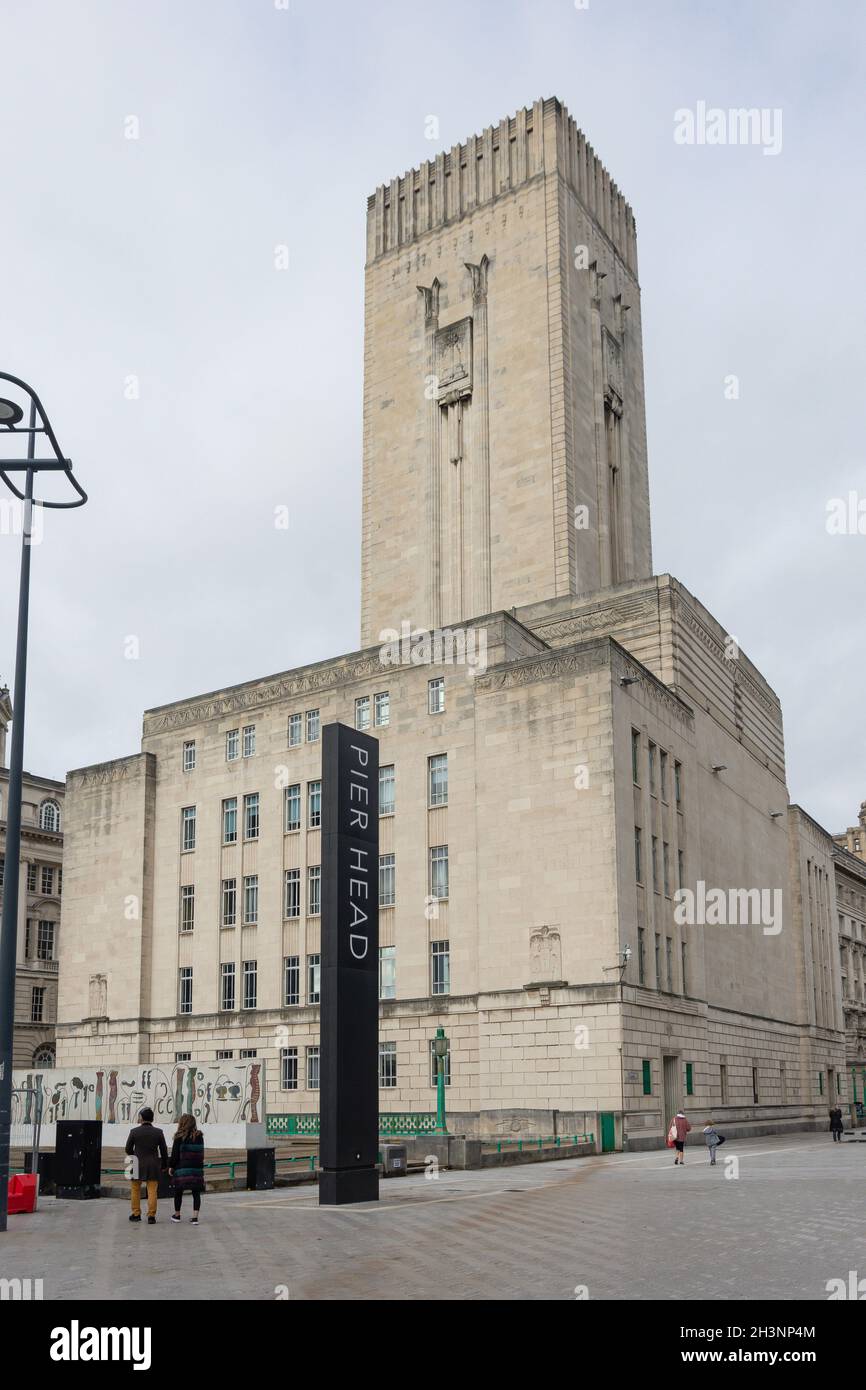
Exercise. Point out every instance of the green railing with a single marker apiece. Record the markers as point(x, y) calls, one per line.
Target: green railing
point(300, 1125)
point(545, 1140)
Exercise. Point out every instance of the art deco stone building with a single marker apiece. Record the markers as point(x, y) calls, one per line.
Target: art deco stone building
point(599, 744)
point(41, 884)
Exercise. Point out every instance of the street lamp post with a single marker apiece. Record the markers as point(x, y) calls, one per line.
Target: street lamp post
point(440, 1050)
point(11, 416)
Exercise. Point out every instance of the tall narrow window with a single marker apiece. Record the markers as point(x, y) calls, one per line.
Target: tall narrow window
point(227, 984)
point(187, 834)
point(251, 983)
point(652, 768)
point(184, 1002)
point(314, 805)
point(647, 1068)
point(635, 757)
point(47, 881)
point(387, 881)
point(45, 941)
point(37, 1004)
point(437, 780)
point(655, 862)
point(658, 960)
point(386, 790)
point(187, 907)
point(312, 1068)
point(314, 978)
point(291, 980)
point(663, 774)
point(387, 1065)
point(436, 695)
point(614, 484)
point(683, 963)
point(440, 967)
point(229, 914)
point(251, 816)
point(230, 820)
point(292, 893)
point(251, 900)
point(313, 726)
point(638, 855)
point(641, 955)
point(362, 712)
point(678, 784)
point(295, 730)
point(387, 972)
point(232, 745)
point(666, 867)
point(249, 740)
point(723, 1082)
point(439, 871)
point(288, 1068)
point(189, 755)
point(314, 890)
point(669, 963)
point(292, 808)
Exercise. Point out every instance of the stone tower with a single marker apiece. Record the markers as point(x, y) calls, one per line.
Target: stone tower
point(504, 434)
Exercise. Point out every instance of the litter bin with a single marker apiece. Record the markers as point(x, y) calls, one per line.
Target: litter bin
point(261, 1169)
point(394, 1161)
point(45, 1169)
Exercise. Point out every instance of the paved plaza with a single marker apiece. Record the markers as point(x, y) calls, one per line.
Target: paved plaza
point(625, 1226)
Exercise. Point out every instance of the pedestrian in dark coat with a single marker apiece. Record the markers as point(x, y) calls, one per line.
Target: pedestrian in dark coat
point(187, 1165)
point(836, 1124)
point(147, 1147)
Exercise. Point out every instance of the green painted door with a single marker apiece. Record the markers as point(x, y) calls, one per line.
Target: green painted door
point(608, 1132)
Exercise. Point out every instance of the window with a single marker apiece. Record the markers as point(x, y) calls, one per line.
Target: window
point(59, 882)
point(45, 941)
point(678, 784)
point(229, 908)
point(680, 869)
point(28, 938)
point(652, 769)
point(386, 790)
point(436, 695)
point(635, 757)
point(184, 1002)
point(251, 900)
point(723, 1082)
point(437, 780)
point(666, 867)
point(641, 955)
point(230, 821)
point(658, 960)
point(690, 1079)
point(227, 985)
point(387, 884)
point(32, 877)
point(820, 1082)
point(440, 967)
point(647, 1076)
point(249, 740)
point(183, 1056)
point(312, 1068)
point(246, 1052)
point(382, 706)
point(362, 712)
point(295, 730)
point(232, 745)
point(655, 862)
point(755, 1085)
point(292, 808)
point(251, 816)
point(669, 963)
point(291, 980)
point(224, 1055)
point(49, 816)
point(314, 979)
point(37, 1004)
point(47, 880)
point(251, 983)
point(313, 726)
point(314, 890)
point(387, 972)
point(288, 1068)
point(684, 968)
point(187, 821)
point(434, 1065)
point(439, 871)
point(387, 1065)
point(187, 907)
point(44, 1057)
point(2, 870)
point(638, 856)
point(314, 805)
point(292, 893)
point(663, 774)
point(189, 755)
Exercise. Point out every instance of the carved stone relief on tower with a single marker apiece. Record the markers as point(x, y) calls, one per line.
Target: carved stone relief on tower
point(545, 955)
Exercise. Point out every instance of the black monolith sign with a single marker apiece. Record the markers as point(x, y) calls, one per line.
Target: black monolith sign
point(349, 1082)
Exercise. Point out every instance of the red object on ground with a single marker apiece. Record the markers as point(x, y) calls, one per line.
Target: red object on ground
point(22, 1192)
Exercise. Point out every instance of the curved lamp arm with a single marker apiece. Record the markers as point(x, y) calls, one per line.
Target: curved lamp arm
point(57, 464)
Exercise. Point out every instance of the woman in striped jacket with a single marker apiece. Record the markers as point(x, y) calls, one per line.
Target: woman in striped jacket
point(186, 1165)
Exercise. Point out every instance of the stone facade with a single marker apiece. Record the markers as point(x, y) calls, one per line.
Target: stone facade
point(37, 953)
point(573, 795)
point(854, 838)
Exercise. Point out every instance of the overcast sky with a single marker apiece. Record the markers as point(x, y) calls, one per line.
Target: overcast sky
point(153, 258)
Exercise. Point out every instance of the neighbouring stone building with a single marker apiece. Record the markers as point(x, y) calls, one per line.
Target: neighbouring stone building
point(40, 887)
point(590, 875)
point(854, 838)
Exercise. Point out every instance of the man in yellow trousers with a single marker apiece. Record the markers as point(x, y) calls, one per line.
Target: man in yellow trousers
point(147, 1147)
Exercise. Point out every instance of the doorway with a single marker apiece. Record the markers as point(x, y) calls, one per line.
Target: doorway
point(672, 1088)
